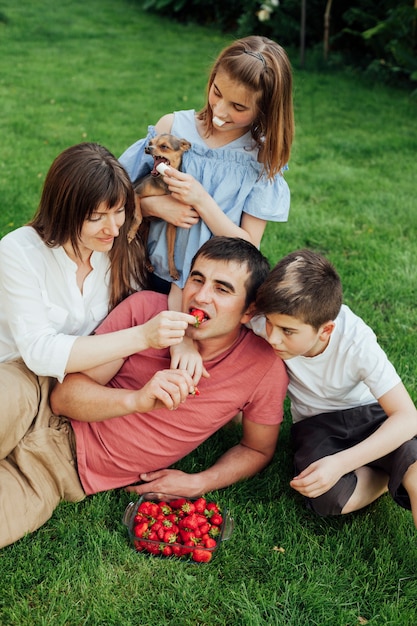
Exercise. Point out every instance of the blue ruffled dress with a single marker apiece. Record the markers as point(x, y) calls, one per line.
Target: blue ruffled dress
point(230, 174)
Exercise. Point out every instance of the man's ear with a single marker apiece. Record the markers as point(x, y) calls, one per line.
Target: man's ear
point(248, 314)
point(326, 330)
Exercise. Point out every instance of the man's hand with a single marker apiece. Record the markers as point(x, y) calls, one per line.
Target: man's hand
point(169, 481)
point(166, 329)
point(166, 388)
point(318, 477)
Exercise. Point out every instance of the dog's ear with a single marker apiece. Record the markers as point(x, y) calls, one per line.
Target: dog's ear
point(185, 145)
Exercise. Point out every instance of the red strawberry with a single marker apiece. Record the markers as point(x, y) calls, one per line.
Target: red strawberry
point(176, 550)
point(212, 506)
point(190, 522)
point(202, 556)
point(182, 505)
point(204, 528)
point(210, 542)
point(216, 519)
point(200, 505)
point(170, 537)
point(199, 316)
point(166, 550)
point(165, 508)
point(141, 530)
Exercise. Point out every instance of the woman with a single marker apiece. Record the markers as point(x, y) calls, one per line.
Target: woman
point(61, 274)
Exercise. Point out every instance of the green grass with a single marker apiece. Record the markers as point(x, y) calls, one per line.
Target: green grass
point(102, 70)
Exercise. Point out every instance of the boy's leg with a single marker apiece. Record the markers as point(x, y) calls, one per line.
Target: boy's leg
point(371, 484)
point(328, 433)
point(410, 484)
point(20, 396)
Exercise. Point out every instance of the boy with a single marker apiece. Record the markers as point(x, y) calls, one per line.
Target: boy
point(355, 425)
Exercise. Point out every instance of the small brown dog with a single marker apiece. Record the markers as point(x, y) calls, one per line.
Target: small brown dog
point(168, 150)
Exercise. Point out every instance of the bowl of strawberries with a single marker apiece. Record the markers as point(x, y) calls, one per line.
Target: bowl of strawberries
point(174, 526)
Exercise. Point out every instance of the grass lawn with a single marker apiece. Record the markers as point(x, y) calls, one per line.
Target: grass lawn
point(103, 70)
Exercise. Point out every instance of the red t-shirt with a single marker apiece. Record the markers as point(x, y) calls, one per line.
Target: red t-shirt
point(247, 377)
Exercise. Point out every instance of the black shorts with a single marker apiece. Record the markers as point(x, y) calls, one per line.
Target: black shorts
point(328, 433)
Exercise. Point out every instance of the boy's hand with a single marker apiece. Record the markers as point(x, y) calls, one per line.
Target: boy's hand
point(185, 356)
point(318, 477)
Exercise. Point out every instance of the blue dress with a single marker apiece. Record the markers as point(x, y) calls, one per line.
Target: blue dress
point(230, 174)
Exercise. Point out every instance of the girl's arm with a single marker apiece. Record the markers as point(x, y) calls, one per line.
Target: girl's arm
point(187, 190)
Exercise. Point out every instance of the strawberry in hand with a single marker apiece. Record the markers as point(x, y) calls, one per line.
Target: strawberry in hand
point(199, 316)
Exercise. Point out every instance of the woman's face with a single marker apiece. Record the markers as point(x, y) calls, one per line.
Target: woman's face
point(100, 229)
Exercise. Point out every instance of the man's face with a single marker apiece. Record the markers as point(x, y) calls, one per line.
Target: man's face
point(218, 289)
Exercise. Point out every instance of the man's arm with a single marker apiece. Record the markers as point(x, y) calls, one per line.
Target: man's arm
point(86, 398)
point(248, 457)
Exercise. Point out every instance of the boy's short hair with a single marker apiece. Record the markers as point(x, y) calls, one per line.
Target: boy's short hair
point(305, 285)
point(239, 251)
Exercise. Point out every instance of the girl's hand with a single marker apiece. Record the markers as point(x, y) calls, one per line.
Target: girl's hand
point(185, 356)
point(185, 188)
point(170, 210)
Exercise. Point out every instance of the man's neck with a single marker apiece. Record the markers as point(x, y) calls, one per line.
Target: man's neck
point(211, 348)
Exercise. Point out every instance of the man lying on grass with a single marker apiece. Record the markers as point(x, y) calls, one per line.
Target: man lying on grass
point(131, 419)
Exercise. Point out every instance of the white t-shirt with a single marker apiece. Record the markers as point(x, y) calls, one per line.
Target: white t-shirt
point(352, 371)
point(42, 310)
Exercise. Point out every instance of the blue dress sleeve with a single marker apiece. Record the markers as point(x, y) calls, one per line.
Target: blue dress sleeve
point(135, 160)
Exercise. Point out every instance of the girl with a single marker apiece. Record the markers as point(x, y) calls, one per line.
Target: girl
point(60, 275)
point(232, 180)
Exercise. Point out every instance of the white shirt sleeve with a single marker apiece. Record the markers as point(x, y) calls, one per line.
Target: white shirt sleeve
point(42, 310)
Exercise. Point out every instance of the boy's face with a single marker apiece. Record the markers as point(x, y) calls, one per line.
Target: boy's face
point(218, 289)
point(289, 337)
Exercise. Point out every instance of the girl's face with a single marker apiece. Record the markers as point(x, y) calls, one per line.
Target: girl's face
point(232, 103)
point(100, 229)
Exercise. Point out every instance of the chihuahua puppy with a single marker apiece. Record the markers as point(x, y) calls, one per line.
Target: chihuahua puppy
point(166, 150)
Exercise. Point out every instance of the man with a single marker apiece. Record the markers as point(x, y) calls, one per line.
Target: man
point(131, 419)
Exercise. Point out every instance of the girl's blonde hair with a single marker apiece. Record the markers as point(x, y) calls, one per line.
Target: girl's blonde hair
point(78, 181)
point(263, 67)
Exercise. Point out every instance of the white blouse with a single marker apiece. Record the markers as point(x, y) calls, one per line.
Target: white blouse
point(42, 310)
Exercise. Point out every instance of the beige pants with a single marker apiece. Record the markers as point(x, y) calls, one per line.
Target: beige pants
point(38, 466)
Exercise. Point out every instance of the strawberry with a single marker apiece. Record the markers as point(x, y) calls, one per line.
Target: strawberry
point(176, 549)
point(200, 505)
point(216, 519)
point(204, 528)
point(199, 316)
point(209, 542)
point(182, 505)
point(141, 530)
point(165, 508)
point(170, 537)
point(212, 506)
point(201, 556)
point(190, 522)
point(165, 550)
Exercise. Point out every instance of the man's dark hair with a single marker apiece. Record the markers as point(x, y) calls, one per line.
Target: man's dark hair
point(239, 251)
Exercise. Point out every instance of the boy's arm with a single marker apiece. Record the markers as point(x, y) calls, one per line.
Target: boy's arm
point(401, 426)
point(250, 456)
